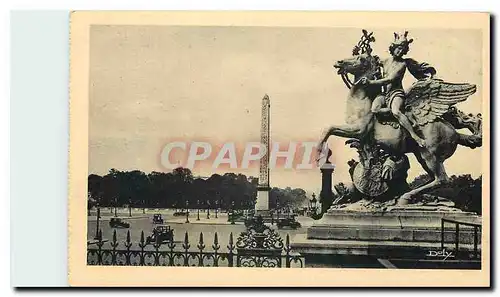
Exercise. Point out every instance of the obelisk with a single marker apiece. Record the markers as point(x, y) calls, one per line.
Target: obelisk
point(262, 205)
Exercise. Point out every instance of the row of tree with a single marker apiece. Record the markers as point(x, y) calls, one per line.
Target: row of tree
point(175, 189)
point(464, 190)
point(179, 188)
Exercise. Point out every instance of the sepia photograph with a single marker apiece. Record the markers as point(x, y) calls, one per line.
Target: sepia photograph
point(348, 143)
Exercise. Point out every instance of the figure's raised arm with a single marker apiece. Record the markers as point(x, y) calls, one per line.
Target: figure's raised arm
point(389, 78)
point(420, 70)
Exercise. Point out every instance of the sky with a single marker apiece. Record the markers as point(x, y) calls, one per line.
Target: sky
point(151, 85)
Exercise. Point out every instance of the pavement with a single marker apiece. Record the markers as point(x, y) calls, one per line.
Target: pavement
point(202, 221)
point(137, 214)
point(168, 217)
point(123, 217)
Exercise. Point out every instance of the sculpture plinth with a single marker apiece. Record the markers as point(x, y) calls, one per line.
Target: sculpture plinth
point(391, 234)
point(262, 205)
point(402, 226)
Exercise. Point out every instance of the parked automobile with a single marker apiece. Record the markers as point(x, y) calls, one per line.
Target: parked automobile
point(161, 234)
point(118, 223)
point(287, 222)
point(180, 213)
point(157, 219)
point(234, 215)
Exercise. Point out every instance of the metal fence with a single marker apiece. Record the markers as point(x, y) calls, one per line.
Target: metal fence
point(258, 246)
point(476, 253)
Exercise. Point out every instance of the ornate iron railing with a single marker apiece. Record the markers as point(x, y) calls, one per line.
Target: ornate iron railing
point(259, 246)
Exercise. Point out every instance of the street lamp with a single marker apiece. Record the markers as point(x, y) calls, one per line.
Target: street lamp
point(130, 207)
point(116, 205)
point(187, 211)
point(98, 217)
point(198, 211)
point(313, 203)
point(232, 212)
point(89, 204)
point(216, 206)
point(278, 210)
point(148, 193)
point(208, 209)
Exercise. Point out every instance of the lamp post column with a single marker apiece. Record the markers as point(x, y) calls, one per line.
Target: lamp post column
point(198, 211)
point(278, 209)
point(97, 225)
point(313, 204)
point(208, 209)
point(232, 213)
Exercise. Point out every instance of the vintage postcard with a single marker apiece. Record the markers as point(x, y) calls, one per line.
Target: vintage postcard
point(279, 149)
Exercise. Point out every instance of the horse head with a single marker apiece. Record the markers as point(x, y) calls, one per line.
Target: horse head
point(361, 65)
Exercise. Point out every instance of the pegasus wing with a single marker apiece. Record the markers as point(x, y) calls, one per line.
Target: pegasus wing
point(430, 99)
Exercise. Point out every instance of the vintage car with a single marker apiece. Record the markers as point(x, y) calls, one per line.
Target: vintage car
point(180, 213)
point(161, 234)
point(288, 222)
point(234, 215)
point(118, 223)
point(157, 219)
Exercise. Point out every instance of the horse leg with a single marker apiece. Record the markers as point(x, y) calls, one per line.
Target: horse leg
point(357, 130)
point(434, 168)
point(347, 131)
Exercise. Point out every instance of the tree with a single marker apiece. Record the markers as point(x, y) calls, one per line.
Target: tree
point(463, 190)
point(95, 189)
point(419, 181)
point(173, 189)
point(109, 188)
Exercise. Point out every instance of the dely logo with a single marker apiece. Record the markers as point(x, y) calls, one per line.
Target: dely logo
point(443, 253)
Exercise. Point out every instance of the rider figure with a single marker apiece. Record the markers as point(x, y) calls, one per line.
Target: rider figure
point(393, 99)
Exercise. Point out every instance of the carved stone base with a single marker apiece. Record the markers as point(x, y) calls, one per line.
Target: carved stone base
point(406, 225)
point(377, 233)
point(262, 203)
point(378, 254)
point(362, 237)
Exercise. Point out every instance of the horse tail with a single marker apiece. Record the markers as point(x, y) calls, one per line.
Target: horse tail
point(471, 141)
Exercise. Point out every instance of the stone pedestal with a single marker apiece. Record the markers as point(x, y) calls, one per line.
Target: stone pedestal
point(411, 226)
point(404, 235)
point(262, 204)
point(326, 194)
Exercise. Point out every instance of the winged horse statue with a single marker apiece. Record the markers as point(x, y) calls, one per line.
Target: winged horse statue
point(383, 144)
